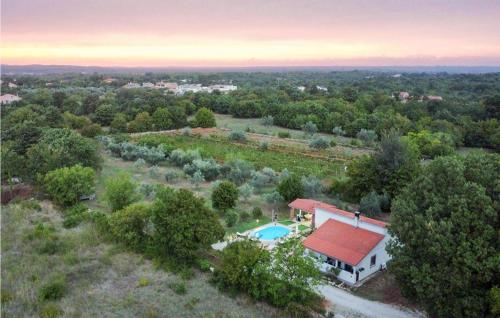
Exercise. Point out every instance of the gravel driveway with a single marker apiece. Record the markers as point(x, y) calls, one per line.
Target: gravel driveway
point(348, 305)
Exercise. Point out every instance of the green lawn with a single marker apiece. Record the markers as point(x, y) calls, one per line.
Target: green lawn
point(245, 226)
point(286, 222)
point(302, 227)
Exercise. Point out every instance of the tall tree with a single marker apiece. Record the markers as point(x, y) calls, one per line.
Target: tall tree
point(445, 228)
point(183, 224)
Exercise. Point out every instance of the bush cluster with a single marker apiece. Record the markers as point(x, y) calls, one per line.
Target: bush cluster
point(208, 168)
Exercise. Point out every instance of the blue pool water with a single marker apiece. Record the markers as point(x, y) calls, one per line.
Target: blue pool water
point(272, 233)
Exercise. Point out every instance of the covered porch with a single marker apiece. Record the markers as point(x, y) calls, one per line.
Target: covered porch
point(348, 273)
point(302, 211)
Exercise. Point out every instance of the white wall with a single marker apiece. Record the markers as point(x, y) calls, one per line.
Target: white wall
point(321, 216)
point(382, 259)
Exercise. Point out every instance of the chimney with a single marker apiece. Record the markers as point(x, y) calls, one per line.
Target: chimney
point(356, 218)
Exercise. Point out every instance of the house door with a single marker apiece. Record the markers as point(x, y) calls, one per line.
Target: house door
point(357, 275)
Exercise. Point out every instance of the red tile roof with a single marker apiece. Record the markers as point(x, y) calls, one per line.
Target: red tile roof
point(309, 206)
point(342, 241)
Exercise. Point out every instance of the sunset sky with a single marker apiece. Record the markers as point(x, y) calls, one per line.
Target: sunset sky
point(251, 32)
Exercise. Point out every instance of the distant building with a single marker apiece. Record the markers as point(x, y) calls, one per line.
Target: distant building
point(223, 88)
point(12, 85)
point(404, 96)
point(433, 98)
point(109, 80)
point(166, 85)
point(148, 85)
point(321, 88)
point(9, 98)
point(131, 85)
point(301, 88)
point(396, 75)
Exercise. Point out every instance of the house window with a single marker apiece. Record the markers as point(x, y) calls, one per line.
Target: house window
point(330, 261)
point(348, 268)
point(373, 260)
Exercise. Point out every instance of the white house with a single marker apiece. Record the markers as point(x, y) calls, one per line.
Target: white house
point(349, 242)
point(433, 98)
point(148, 85)
point(223, 88)
point(12, 85)
point(131, 85)
point(301, 88)
point(9, 98)
point(184, 88)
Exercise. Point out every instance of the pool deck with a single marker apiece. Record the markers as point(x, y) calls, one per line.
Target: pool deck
point(249, 234)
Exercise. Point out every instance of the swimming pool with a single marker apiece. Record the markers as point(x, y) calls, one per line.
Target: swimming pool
point(272, 232)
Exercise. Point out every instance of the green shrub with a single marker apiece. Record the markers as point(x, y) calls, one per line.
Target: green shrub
point(31, 205)
point(146, 189)
point(267, 120)
point(50, 310)
point(204, 265)
point(319, 143)
point(66, 185)
point(186, 273)
point(171, 176)
point(143, 282)
point(6, 296)
point(310, 128)
point(333, 143)
point(120, 191)
point(53, 290)
point(47, 240)
point(178, 288)
point(204, 118)
point(224, 196)
point(92, 130)
point(75, 215)
point(244, 216)
point(355, 142)
point(257, 212)
point(183, 224)
point(291, 188)
point(367, 136)
point(284, 134)
point(101, 221)
point(129, 224)
point(264, 145)
point(338, 131)
point(231, 218)
point(238, 136)
point(370, 204)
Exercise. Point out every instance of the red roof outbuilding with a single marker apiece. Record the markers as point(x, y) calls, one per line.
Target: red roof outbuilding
point(342, 241)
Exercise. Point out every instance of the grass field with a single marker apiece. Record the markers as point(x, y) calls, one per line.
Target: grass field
point(49, 271)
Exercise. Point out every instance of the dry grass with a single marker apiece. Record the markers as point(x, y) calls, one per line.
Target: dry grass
point(102, 279)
